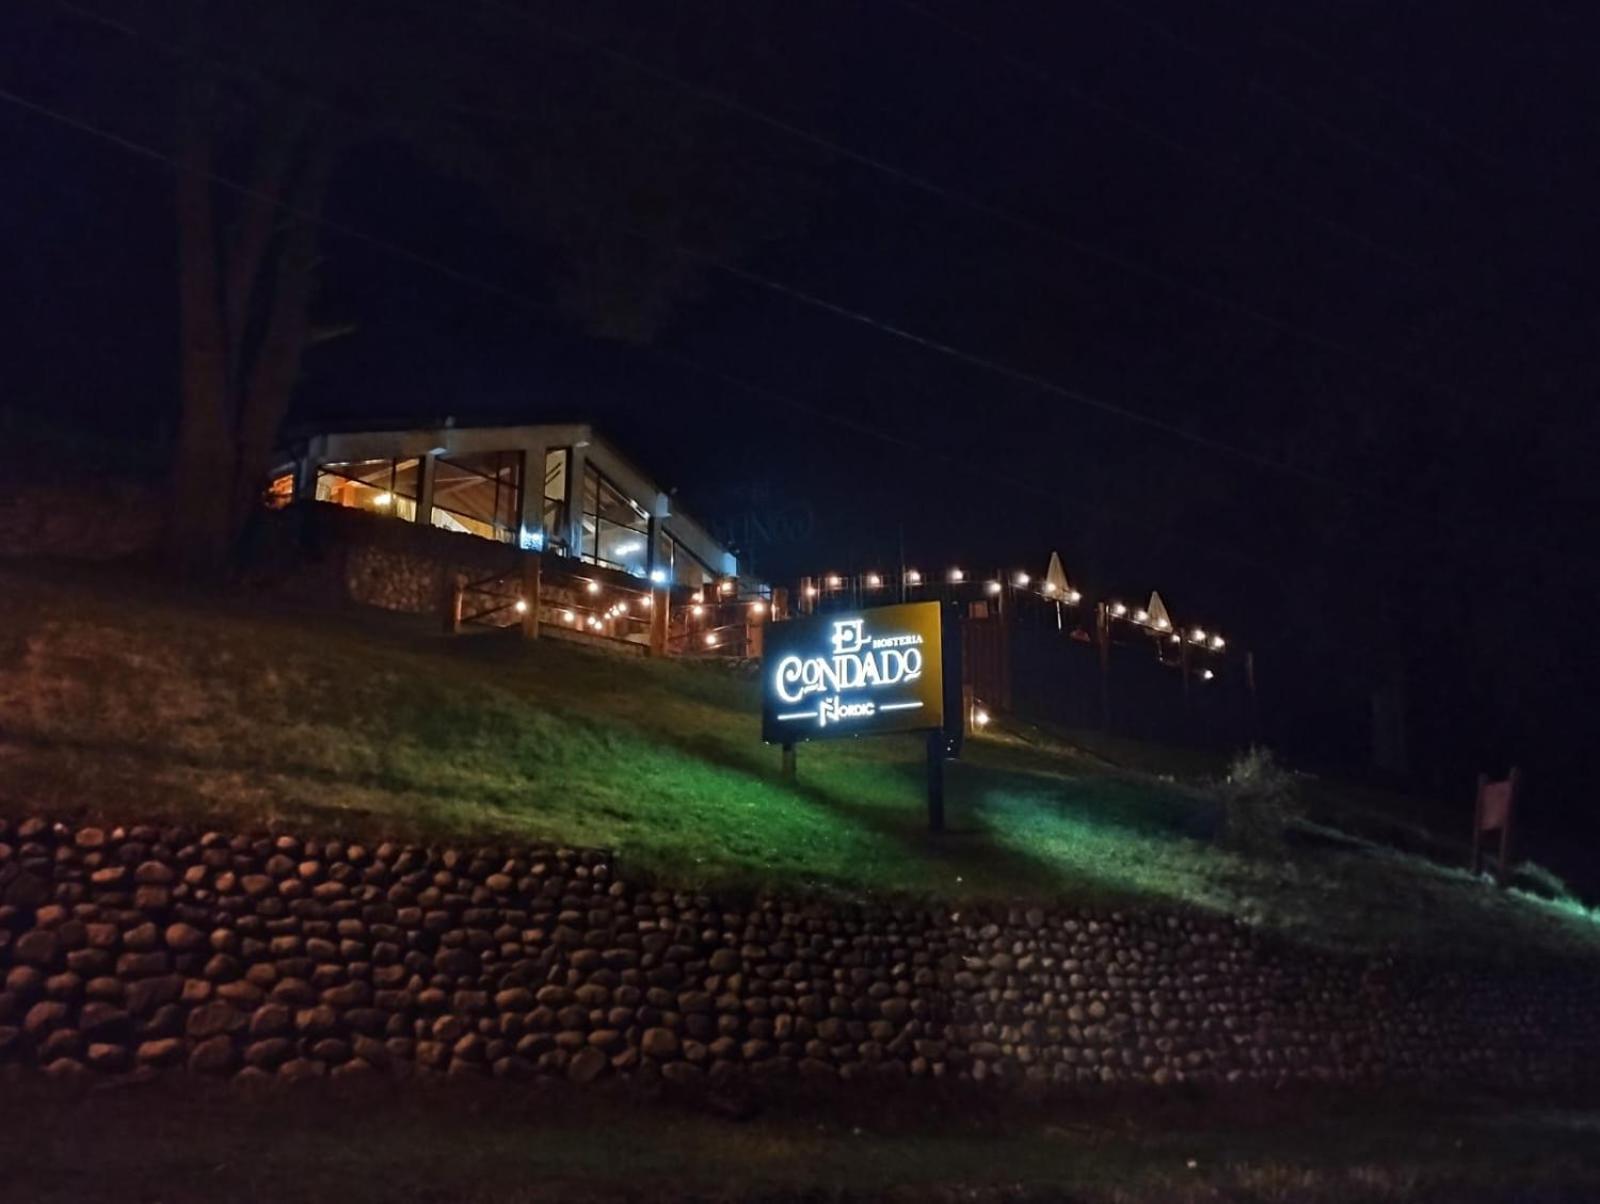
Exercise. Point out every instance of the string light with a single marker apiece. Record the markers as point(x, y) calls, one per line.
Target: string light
point(1119, 609)
point(1049, 587)
point(520, 606)
point(874, 581)
point(649, 601)
point(697, 596)
point(1206, 674)
point(383, 499)
point(568, 617)
point(757, 607)
point(725, 587)
point(980, 717)
point(697, 610)
point(992, 586)
point(1176, 638)
point(811, 591)
point(1198, 635)
point(711, 639)
point(957, 576)
point(1218, 643)
point(1074, 597)
point(1022, 579)
point(593, 587)
point(913, 577)
point(834, 582)
point(1163, 624)
point(658, 576)
point(1141, 616)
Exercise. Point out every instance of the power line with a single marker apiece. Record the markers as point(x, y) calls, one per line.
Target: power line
point(963, 200)
point(1098, 104)
point(1287, 103)
point(1421, 117)
point(795, 294)
point(960, 355)
point(151, 154)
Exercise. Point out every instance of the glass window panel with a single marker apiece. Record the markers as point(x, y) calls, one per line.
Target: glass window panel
point(615, 527)
point(555, 497)
point(280, 491)
point(478, 494)
point(622, 547)
point(555, 474)
point(689, 569)
point(381, 486)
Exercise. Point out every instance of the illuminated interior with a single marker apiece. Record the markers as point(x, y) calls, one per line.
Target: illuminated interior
point(380, 486)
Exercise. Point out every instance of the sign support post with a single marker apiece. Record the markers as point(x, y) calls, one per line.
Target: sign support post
point(880, 671)
point(936, 781)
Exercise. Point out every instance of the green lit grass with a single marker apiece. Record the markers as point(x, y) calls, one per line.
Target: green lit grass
point(122, 699)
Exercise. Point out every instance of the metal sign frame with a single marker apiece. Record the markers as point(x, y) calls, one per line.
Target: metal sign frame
point(867, 672)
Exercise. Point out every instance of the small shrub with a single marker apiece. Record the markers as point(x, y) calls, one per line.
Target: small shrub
point(1259, 799)
point(1533, 878)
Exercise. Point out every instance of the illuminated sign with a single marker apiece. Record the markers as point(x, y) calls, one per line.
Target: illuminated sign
point(858, 673)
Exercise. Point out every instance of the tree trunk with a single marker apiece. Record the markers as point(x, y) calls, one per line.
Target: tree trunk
point(239, 364)
point(268, 384)
point(197, 530)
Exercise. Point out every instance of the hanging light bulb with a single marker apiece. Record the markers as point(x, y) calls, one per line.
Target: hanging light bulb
point(1022, 579)
point(1074, 597)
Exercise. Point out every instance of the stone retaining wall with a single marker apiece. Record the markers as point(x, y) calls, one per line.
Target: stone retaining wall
point(262, 956)
point(95, 517)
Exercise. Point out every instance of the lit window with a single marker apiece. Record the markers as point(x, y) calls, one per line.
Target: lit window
point(379, 486)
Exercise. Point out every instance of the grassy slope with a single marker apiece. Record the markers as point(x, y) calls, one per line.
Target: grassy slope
point(122, 699)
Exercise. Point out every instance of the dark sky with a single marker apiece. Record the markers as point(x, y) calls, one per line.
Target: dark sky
point(1333, 262)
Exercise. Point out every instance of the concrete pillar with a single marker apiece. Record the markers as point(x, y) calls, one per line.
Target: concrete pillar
point(576, 462)
point(531, 505)
point(653, 539)
point(427, 471)
point(305, 472)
